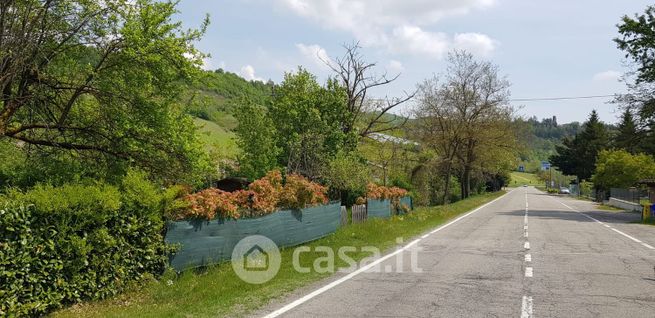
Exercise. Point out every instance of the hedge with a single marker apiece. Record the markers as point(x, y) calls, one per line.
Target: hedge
point(77, 242)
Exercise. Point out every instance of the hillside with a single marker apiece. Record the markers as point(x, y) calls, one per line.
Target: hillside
point(212, 100)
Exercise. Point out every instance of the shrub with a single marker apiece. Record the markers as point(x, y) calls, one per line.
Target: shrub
point(263, 196)
point(61, 245)
point(374, 191)
point(299, 192)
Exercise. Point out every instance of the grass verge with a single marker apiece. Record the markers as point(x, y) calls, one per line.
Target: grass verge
point(217, 291)
point(521, 178)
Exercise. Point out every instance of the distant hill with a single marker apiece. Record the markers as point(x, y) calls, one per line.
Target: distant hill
point(212, 100)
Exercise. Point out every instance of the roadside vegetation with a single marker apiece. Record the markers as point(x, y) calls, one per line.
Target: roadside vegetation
point(217, 291)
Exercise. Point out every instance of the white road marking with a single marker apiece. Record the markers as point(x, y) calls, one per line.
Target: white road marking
point(526, 307)
point(528, 272)
point(605, 225)
point(526, 245)
point(525, 227)
point(525, 233)
point(528, 258)
point(365, 268)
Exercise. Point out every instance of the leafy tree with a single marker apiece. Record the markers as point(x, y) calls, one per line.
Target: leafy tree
point(577, 156)
point(256, 139)
point(307, 119)
point(620, 169)
point(99, 81)
point(628, 134)
point(638, 42)
point(467, 120)
point(348, 174)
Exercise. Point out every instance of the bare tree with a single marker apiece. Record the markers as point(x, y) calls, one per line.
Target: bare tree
point(358, 78)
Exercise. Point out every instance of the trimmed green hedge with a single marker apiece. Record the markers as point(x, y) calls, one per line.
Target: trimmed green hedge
point(62, 245)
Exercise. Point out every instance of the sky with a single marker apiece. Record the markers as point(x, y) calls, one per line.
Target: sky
point(545, 48)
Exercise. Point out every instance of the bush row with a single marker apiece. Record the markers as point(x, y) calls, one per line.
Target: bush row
point(262, 197)
point(78, 242)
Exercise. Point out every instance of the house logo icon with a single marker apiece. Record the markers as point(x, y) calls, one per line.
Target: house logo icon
point(256, 259)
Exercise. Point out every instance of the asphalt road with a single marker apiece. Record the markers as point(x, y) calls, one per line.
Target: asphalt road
point(561, 258)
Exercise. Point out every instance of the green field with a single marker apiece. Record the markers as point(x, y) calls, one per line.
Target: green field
point(217, 139)
point(521, 178)
point(218, 292)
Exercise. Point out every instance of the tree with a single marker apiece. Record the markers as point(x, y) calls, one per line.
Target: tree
point(638, 42)
point(358, 78)
point(628, 134)
point(577, 156)
point(255, 138)
point(301, 125)
point(100, 81)
point(621, 169)
point(467, 119)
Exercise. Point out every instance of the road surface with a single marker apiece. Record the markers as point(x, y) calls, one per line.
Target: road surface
point(526, 254)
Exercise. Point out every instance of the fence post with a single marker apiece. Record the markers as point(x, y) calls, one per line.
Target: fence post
point(344, 216)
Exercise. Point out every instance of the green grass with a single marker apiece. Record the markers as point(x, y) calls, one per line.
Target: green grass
point(521, 178)
point(218, 292)
point(216, 138)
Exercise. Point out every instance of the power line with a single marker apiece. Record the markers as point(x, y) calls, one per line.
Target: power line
point(559, 98)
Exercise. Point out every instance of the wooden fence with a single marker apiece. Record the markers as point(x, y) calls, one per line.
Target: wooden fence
point(359, 213)
point(344, 216)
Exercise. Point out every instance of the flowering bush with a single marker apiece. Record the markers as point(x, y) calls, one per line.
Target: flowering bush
point(263, 197)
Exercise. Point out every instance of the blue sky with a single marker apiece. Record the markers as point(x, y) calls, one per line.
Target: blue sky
point(546, 48)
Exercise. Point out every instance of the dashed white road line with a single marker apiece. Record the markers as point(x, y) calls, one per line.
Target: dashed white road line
point(528, 272)
point(526, 307)
point(606, 225)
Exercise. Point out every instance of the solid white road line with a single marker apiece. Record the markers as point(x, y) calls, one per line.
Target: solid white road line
point(339, 281)
point(526, 307)
point(528, 272)
point(605, 225)
point(526, 245)
point(528, 258)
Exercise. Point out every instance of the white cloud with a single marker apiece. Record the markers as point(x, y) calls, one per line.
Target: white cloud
point(414, 40)
point(610, 75)
point(395, 67)
point(474, 43)
point(315, 53)
point(248, 72)
point(395, 25)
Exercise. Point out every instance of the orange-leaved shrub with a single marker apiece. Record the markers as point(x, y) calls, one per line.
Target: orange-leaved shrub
point(374, 191)
point(209, 203)
point(262, 197)
point(298, 192)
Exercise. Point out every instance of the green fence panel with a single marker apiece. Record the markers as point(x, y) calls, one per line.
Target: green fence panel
point(378, 208)
point(208, 242)
point(407, 201)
